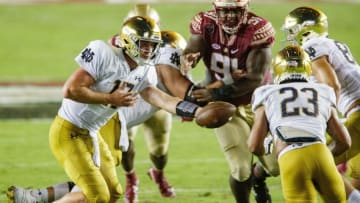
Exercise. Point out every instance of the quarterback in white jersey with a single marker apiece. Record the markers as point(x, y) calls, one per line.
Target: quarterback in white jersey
point(167, 78)
point(297, 113)
point(334, 65)
point(107, 79)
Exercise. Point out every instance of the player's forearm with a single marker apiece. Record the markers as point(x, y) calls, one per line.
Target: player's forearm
point(86, 95)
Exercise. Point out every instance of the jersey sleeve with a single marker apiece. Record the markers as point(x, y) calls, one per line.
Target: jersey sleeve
point(258, 97)
point(318, 47)
point(93, 58)
point(264, 35)
point(196, 24)
point(169, 56)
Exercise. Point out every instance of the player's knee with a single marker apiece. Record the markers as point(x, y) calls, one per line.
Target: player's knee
point(116, 193)
point(102, 198)
point(159, 149)
point(241, 173)
point(273, 170)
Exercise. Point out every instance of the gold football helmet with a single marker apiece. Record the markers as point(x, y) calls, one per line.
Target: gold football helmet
point(173, 39)
point(291, 64)
point(136, 30)
point(231, 14)
point(144, 10)
point(304, 23)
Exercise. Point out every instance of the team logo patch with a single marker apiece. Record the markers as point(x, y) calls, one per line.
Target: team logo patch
point(87, 55)
point(175, 58)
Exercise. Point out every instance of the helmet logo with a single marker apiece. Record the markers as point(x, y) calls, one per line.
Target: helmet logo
point(292, 63)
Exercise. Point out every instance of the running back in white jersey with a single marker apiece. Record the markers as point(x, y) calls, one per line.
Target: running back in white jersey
point(300, 105)
point(109, 68)
point(344, 64)
point(141, 110)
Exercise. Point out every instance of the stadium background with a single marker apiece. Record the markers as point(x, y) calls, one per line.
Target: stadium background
point(38, 43)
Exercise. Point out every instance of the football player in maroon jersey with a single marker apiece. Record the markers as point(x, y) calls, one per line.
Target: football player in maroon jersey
point(235, 46)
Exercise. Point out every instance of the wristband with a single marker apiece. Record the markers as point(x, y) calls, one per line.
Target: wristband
point(186, 109)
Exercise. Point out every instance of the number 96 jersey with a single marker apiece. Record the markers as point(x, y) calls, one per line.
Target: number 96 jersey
point(301, 105)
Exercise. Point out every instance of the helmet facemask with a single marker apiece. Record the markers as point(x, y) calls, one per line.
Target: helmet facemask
point(230, 14)
point(140, 38)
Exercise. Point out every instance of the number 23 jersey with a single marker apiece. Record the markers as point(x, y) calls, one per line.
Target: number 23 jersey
point(301, 105)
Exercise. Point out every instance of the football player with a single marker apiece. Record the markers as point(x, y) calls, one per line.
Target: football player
point(297, 113)
point(157, 123)
point(169, 80)
point(107, 79)
point(334, 65)
point(157, 127)
point(235, 45)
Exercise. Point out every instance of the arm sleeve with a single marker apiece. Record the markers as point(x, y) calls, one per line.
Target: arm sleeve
point(93, 57)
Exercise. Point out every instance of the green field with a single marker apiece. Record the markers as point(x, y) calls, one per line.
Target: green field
point(196, 168)
point(39, 43)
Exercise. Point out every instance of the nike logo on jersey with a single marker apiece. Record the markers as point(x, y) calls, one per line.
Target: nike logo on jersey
point(233, 51)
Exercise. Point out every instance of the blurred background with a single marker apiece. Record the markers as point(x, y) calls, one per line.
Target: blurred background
point(39, 39)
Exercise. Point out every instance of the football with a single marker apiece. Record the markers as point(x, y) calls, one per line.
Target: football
point(215, 114)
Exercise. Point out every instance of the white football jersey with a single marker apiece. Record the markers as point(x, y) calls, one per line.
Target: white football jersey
point(108, 67)
point(141, 111)
point(345, 67)
point(300, 105)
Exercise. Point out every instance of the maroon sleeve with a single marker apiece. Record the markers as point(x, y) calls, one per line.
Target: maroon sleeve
point(196, 24)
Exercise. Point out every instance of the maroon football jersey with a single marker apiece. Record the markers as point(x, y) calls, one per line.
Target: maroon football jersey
point(223, 55)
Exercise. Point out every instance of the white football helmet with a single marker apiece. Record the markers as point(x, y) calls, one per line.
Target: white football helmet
point(136, 30)
point(291, 64)
point(304, 23)
point(231, 14)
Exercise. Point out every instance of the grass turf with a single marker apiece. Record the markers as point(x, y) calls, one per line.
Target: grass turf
point(196, 168)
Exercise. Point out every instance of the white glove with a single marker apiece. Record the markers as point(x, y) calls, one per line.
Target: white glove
point(268, 144)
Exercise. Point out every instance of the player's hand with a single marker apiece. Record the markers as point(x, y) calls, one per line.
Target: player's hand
point(187, 62)
point(238, 74)
point(121, 97)
point(202, 95)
